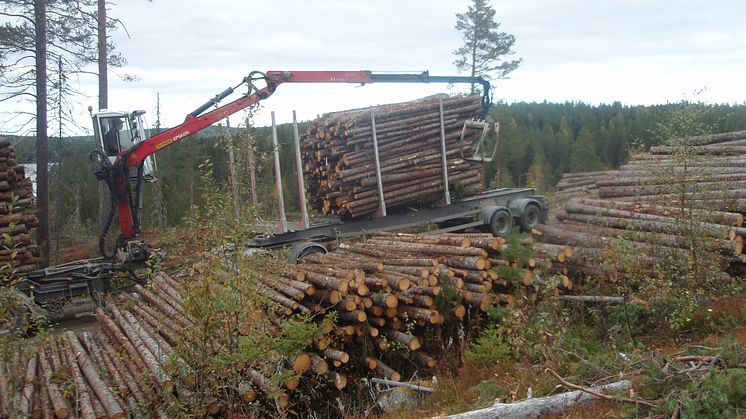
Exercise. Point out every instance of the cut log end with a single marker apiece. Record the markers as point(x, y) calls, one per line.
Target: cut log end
point(340, 381)
point(302, 363)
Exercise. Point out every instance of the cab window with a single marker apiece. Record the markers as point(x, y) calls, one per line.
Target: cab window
point(116, 135)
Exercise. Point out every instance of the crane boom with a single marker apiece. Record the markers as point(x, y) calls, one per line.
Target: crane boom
point(197, 121)
point(116, 174)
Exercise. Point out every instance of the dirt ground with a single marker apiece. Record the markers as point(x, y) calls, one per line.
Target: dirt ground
point(86, 323)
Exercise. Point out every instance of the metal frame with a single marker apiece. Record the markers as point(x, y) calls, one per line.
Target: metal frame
point(301, 183)
point(466, 213)
point(443, 155)
point(478, 155)
point(282, 227)
point(381, 211)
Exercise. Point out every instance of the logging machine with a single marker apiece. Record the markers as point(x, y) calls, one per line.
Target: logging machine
point(125, 162)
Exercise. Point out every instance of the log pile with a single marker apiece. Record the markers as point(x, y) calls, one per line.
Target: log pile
point(17, 214)
point(340, 163)
point(395, 298)
point(656, 203)
point(577, 184)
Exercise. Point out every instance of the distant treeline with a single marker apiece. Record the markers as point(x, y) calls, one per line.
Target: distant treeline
point(541, 141)
point(537, 143)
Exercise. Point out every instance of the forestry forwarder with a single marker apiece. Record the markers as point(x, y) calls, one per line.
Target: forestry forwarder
point(124, 164)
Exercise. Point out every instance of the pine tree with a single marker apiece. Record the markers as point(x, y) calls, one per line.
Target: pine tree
point(484, 45)
point(37, 32)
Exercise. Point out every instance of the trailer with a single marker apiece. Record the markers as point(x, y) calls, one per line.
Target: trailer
point(495, 211)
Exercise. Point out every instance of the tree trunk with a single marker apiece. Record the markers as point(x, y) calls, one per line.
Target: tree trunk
point(42, 138)
point(82, 393)
point(109, 402)
point(58, 401)
point(717, 217)
point(27, 394)
point(543, 406)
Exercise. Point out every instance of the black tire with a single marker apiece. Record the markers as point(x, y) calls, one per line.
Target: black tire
point(300, 250)
point(310, 251)
point(531, 217)
point(501, 223)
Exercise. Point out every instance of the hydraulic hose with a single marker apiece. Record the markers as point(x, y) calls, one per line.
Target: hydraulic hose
point(104, 171)
point(105, 230)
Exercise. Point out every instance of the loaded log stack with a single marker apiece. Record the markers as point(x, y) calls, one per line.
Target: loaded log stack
point(17, 214)
point(340, 164)
point(657, 204)
point(395, 298)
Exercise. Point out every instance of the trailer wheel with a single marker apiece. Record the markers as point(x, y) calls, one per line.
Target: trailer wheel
point(300, 250)
point(501, 223)
point(530, 218)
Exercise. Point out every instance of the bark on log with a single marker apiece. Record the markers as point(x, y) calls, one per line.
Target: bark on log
point(715, 217)
point(414, 387)
point(581, 208)
point(82, 394)
point(132, 376)
point(327, 282)
point(337, 355)
point(387, 372)
point(712, 138)
point(25, 402)
point(268, 388)
point(99, 387)
point(593, 299)
point(429, 249)
point(406, 339)
point(651, 226)
point(134, 346)
point(599, 236)
point(61, 409)
point(163, 306)
point(543, 406)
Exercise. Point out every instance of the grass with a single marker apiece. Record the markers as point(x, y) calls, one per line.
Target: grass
point(589, 353)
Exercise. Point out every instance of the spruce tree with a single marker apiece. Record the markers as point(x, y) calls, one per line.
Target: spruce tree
point(584, 157)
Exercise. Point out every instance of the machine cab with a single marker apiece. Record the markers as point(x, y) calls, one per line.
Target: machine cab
point(117, 131)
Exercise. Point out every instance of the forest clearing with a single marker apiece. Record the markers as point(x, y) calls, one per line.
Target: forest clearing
point(558, 233)
point(460, 318)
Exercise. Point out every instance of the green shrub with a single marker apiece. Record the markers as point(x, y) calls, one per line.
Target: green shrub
point(489, 348)
point(721, 394)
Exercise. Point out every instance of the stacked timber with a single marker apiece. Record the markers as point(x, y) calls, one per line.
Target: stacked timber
point(394, 297)
point(655, 204)
point(17, 214)
point(648, 236)
point(339, 157)
point(576, 184)
point(74, 375)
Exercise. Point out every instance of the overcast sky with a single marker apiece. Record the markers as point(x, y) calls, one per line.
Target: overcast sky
point(634, 51)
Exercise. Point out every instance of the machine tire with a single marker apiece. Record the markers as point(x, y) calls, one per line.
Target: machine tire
point(501, 223)
point(310, 251)
point(530, 218)
point(300, 250)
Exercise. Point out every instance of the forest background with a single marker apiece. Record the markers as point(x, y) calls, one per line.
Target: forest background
point(538, 142)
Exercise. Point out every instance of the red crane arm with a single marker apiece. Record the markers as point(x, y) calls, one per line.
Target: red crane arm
point(197, 121)
point(191, 125)
point(194, 123)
